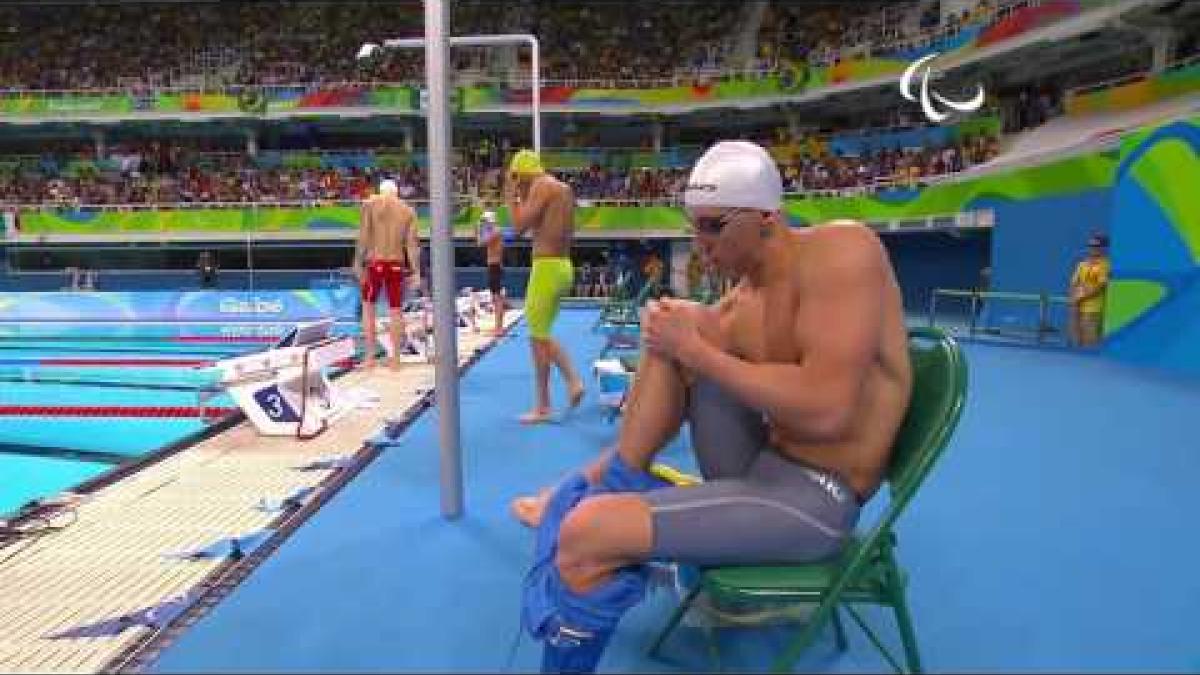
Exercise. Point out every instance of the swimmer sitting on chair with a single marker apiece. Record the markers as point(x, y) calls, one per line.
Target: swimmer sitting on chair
point(794, 385)
point(544, 205)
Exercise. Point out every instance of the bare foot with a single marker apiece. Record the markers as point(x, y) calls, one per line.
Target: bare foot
point(577, 394)
point(368, 364)
point(529, 509)
point(395, 364)
point(536, 416)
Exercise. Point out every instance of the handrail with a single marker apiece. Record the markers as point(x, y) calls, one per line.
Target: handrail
point(1043, 301)
point(877, 184)
point(207, 88)
point(191, 206)
point(1085, 89)
point(863, 133)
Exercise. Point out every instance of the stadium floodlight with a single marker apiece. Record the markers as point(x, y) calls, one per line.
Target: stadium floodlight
point(369, 49)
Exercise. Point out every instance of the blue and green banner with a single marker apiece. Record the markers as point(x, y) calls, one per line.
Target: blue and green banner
point(1151, 307)
point(179, 306)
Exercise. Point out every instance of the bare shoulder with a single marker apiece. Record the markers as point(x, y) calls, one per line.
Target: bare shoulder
point(549, 185)
point(844, 245)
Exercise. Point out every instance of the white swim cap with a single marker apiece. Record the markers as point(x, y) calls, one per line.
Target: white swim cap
point(736, 174)
point(388, 187)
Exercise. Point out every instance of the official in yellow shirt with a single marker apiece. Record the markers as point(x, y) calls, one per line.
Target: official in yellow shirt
point(1088, 287)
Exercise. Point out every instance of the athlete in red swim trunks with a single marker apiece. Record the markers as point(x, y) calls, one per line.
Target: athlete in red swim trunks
point(387, 246)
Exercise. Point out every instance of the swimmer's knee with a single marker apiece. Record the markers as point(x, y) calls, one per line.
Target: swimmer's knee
point(650, 360)
point(585, 539)
point(576, 537)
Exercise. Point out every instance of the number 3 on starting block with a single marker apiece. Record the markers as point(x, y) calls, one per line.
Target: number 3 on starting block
point(273, 403)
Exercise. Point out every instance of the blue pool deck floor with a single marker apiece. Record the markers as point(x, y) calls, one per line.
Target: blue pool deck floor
point(1057, 533)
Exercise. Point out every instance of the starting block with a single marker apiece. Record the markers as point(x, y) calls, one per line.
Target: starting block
point(284, 391)
point(474, 306)
point(418, 333)
point(470, 307)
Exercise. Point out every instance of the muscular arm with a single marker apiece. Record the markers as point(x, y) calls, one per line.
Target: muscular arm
point(838, 331)
point(364, 236)
point(413, 245)
point(526, 216)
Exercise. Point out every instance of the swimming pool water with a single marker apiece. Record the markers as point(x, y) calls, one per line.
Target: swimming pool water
point(32, 461)
point(27, 478)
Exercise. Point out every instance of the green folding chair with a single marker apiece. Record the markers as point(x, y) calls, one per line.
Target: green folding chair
point(866, 572)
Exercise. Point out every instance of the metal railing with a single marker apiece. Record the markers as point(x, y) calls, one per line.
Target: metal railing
point(1043, 301)
point(480, 198)
point(195, 206)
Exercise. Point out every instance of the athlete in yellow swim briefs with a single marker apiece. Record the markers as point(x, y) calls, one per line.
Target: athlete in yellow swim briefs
point(545, 206)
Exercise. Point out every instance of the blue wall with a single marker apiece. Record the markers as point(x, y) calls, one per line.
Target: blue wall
point(1036, 243)
point(1035, 246)
point(925, 261)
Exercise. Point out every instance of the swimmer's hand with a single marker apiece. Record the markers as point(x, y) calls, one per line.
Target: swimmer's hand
point(670, 330)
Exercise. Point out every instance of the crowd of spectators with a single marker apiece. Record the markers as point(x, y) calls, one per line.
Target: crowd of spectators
point(642, 40)
point(825, 33)
point(228, 178)
point(887, 167)
point(160, 172)
point(60, 46)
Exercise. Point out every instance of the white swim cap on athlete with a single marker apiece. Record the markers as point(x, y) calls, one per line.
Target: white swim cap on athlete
point(388, 187)
point(735, 174)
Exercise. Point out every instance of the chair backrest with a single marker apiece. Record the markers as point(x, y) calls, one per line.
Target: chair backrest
point(939, 393)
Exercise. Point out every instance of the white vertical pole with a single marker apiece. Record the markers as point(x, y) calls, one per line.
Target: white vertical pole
point(441, 243)
point(537, 95)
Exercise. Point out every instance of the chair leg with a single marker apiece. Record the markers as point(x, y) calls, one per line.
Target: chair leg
point(908, 636)
point(839, 631)
point(675, 618)
point(807, 636)
point(714, 647)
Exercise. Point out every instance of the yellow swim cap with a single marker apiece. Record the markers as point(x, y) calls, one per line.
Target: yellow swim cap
point(526, 163)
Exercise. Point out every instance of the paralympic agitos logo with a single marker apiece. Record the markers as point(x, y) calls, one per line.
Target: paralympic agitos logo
point(931, 112)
